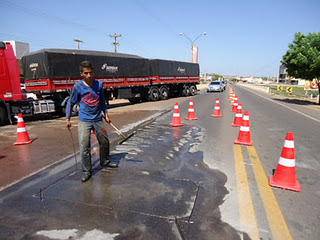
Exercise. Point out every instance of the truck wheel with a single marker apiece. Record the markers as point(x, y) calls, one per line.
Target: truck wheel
point(3, 116)
point(154, 94)
point(193, 90)
point(186, 91)
point(164, 93)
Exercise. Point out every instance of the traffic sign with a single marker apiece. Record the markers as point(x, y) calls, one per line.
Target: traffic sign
point(289, 89)
point(280, 88)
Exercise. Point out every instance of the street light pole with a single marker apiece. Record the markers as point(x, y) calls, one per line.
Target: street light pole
point(78, 41)
point(192, 42)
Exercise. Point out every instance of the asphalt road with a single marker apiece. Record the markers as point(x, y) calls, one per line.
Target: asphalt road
point(190, 182)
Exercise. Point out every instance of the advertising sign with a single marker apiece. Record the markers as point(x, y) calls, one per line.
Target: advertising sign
point(194, 55)
point(311, 85)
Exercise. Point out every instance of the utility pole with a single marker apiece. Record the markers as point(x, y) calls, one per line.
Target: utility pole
point(115, 43)
point(78, 41)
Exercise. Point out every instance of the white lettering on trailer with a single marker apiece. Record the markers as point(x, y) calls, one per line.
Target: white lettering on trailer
point(182, 70)
point(33, 67)
point(111, 69)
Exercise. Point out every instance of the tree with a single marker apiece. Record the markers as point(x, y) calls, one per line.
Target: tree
point(302, 60)
point(216, 77)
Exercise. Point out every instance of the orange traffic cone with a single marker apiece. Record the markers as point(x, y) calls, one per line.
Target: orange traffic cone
point(233, 100)
point(176, 122)
point(244, 137)
point(191, 114)
point(285, 174)
point(23, 136)
point(238, 117)
point(235, 105)
point(231, 95)
point(217, 112)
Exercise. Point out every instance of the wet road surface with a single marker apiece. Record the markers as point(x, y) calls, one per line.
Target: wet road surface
point(162, 190)
point(172, 183)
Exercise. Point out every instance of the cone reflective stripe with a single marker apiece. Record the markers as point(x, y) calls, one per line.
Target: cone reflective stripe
point(238, 117)
point(235, 105)
point(285, 174)
point(176, 121)
point(232, 98)
point(244, 137)
point(191, 114)
point(235, 98)
point(217, 111)
point(23, 136)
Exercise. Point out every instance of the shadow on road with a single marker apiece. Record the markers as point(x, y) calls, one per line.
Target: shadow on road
point(296, 101)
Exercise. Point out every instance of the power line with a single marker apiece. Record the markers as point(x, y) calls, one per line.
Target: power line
point(53, 18)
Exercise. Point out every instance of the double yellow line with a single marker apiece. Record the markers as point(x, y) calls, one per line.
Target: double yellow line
point(277, 223)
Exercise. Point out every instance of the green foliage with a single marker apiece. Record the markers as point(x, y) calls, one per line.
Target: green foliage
point(302, 60)
point(216, 77)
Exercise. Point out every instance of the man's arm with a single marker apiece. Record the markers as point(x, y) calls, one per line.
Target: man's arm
point(104, 108)
point(71, 102)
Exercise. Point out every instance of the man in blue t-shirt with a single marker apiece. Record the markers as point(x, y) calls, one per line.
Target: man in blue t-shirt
point(89, 93)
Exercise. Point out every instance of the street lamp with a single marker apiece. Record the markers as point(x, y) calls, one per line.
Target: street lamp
point(78, 41)
point(192, 42)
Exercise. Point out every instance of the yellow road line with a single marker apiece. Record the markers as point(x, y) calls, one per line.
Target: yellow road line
point(277, 222)
point(247, 213)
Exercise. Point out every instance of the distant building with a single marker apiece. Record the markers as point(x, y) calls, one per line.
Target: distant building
point(20, 48)
point(249, 79)
point(286, 79)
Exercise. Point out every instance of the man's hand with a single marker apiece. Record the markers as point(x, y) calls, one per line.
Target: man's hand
point(106, 117)
point(68, 124)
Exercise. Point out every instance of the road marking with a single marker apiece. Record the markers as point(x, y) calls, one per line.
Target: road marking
point(247, 214)
point(277, 222)
point(317, 120)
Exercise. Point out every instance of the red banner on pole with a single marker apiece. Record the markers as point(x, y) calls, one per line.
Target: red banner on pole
point(194, 54)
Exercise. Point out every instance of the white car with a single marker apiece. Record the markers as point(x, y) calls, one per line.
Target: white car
point(216, 86)
point(29, 95)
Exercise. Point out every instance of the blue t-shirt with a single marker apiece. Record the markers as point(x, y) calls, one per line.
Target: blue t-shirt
point(91, 100)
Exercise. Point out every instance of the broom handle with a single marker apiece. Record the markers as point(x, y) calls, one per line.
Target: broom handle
point(117, 129)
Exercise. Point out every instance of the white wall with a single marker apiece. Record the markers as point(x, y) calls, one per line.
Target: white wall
point(20, 48)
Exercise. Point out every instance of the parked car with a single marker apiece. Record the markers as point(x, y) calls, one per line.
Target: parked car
point(216, 86)
point(224, 84)
point(29, 95)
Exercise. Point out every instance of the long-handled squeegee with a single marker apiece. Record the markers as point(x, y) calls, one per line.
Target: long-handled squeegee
point(125, 138)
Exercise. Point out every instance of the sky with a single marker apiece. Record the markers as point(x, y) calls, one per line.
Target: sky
point(244, 37)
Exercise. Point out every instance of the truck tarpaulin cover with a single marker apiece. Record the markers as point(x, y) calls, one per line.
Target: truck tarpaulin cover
point(64, 63)
point(160, 67)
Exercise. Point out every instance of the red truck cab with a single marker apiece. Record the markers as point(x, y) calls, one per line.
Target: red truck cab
point(10, 89)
